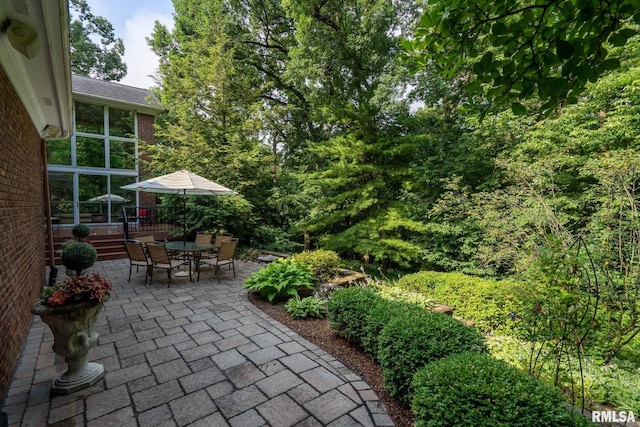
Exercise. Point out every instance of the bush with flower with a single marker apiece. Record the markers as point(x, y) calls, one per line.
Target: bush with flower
point(77, 289)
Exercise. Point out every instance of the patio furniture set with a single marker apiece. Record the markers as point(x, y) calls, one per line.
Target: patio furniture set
point(206, 250)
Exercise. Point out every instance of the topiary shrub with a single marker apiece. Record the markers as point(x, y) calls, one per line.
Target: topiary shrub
point(348, 309)
point(414, 338)
point(378, 315)
point(280, 279)
point(472, 389)
point(492, 305)
point(323, 263)
point(78, 256)
point(80, 231)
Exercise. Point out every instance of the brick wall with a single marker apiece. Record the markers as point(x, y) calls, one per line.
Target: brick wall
point(146, 133)
point(22, 234)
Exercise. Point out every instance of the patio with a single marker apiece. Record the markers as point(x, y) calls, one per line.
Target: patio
point(198, 353)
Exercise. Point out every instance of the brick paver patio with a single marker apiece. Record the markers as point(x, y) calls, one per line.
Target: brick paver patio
point(197, 354)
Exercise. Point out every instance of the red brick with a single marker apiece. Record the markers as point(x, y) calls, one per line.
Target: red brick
point(22, 231)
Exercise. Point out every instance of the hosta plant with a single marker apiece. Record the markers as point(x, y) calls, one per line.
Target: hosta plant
point(300, 308)
point(280, 279)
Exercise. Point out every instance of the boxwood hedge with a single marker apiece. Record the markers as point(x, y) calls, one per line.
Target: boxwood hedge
point(414, 338)
point(347, 311)
point(472, 389)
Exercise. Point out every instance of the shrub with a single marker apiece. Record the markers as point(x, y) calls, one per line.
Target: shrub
point(491, 305)
point(81, 231)
point(415, 338)
point(79, 256)
point(381, 313)
point(323, 263)
point(305, 307)
point(347, 310)
point(476, 390)
point(279, 279)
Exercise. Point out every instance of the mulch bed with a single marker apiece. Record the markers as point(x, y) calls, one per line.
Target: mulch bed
point(318, 332)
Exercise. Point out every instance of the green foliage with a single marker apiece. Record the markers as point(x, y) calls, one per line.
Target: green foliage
point(88, 58)
point(275, 239)
point(305, 307)
point(348, 309)
point(493, 306)
point(381, 313)
point(476, 390)
point(280, 279)
point(322, 262)
point(416, 338)
point(79, 256)
point(81, 231)
point(393, 292)
point(615, 383)
point(518, 51)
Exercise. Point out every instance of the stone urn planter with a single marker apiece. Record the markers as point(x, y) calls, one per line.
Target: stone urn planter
point(72, 323)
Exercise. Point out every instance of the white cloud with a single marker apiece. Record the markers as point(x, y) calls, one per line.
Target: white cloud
point(141, 61)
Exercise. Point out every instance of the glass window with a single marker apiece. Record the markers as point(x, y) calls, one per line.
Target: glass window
point(122, 155)
point(121, 123)
point(61, 187)
point(93, 198)
point(89, 118)
point(59, 152)
point(126, 197)
point(90, 152)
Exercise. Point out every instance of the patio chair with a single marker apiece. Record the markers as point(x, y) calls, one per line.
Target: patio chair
point(145, 238)
point(221, 237)
point(138, 257)
point(160, 259)
point(202, 237)
point(226, 255)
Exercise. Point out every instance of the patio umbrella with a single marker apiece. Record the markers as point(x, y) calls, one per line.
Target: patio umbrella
point(181, 182)
point(105, 197)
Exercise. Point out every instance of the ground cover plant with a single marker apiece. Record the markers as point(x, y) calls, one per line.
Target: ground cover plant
point(300, 308)
point(494, 306)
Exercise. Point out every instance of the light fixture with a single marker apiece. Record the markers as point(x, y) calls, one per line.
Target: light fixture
point(22, 37)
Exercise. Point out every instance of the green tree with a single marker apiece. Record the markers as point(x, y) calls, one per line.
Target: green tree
point(101, 60)
point(211, 125)
point(510, 51)
point(344, 65)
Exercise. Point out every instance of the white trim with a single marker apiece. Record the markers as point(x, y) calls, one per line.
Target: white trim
point(43, 83)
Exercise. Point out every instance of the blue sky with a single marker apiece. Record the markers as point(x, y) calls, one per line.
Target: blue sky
point(133, 21)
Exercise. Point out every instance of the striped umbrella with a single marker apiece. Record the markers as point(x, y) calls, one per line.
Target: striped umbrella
point(181, 182)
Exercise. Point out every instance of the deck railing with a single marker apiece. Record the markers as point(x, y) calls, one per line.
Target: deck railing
point(150, 218)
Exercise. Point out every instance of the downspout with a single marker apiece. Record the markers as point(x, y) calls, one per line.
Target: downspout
point(53, 271)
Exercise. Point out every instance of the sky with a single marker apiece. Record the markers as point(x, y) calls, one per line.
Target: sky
point(133, 21)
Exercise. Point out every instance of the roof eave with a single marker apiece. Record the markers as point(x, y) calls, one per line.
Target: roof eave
point(43, 82)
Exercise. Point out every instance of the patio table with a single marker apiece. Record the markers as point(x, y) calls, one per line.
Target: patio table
point(193, 248)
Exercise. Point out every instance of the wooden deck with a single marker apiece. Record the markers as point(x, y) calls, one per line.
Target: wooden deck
point(107, 239)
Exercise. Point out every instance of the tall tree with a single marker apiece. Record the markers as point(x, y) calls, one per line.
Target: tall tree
point(343, 64)
point(101, 60)
point(510, 51)
point(212, 121)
